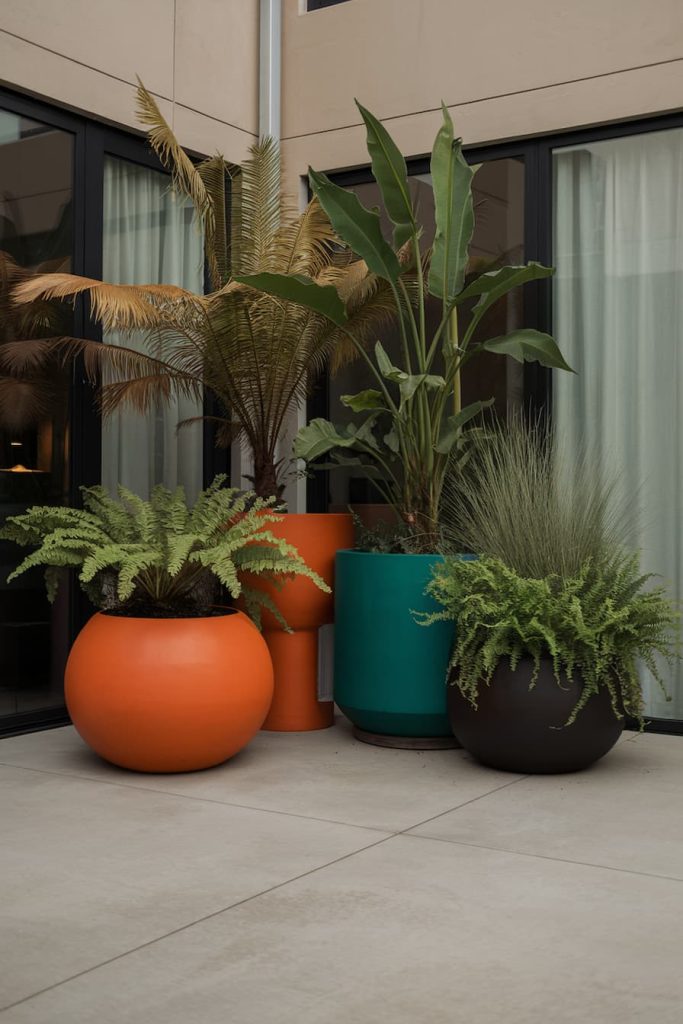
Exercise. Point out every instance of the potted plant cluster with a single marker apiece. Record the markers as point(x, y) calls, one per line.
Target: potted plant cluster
point(253, 354)
point(165, 678)
point(555, 622)
point(410, 424)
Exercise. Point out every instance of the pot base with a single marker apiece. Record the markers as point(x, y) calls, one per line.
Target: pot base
point(406, 742)
point(295, 706)
point(519, 728)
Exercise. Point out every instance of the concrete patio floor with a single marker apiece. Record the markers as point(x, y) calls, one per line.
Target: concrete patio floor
point(315, 879)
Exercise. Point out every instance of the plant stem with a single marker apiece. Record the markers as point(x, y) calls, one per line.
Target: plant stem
point(453, 345)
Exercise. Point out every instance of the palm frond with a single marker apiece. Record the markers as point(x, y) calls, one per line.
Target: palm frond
point(260, 208)
point(118, 307)
point(370, 306)
point(24, 403)
point(186, 177)
point(143, 394)
point(214, 173)
point(126, 364)
point(306, 244)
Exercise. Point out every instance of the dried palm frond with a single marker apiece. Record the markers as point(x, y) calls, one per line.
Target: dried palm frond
point(118, 307)
point(261, 208)
point(254, 353)
point(27, 401)
point(201, 185)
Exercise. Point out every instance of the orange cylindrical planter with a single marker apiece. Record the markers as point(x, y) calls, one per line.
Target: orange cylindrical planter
point(168, 695)
point(305, 607)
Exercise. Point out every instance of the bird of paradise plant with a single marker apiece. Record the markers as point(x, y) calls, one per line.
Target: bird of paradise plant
point(411, 425)
point(256, 354)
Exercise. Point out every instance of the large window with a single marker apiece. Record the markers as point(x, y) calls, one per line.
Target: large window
point(150, 237)
point(605, 206)
point(36, 235)
point(618, 249)
point(78, 197)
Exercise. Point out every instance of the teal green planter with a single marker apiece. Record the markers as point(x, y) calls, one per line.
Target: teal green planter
point(389, 672)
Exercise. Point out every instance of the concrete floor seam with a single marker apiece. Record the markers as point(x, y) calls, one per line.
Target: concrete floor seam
point(542, 856)
point(192, 924)
point(251, 807)
point(198, 799)
point(458, 807)
point(238, 903)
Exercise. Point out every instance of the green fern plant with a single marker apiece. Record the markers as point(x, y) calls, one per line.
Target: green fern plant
point(160, 558)
point(597, 625)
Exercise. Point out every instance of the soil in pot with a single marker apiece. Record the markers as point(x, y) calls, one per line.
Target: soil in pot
point(518, 729)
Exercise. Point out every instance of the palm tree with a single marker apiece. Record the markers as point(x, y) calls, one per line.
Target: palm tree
point(255, 353)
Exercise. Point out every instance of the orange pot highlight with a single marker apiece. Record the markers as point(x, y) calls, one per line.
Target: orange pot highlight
point(317, 537)
point(168, 695)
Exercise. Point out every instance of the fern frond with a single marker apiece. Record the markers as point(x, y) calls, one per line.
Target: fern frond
point(158, 554)
point(255, 601)
point(596, 625)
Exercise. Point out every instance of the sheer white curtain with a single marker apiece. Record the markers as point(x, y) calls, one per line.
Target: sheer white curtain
point(150, 237)
point(618, 307)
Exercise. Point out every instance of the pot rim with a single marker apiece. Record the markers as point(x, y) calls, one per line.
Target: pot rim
point(403, 554)
point(226, 613)
point(311, 515)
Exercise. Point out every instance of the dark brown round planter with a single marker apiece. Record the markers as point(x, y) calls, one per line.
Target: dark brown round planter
point(521, 730)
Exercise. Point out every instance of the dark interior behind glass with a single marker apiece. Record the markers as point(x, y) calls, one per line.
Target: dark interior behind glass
point(36, 226)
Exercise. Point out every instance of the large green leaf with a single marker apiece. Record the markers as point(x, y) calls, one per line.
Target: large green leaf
point(386, 367)
point(454, 212)
point(358, 227)
point(496, 283)
point(370, 399)
point(527, 345)
point(450, 431)
point(320, 436)
point(339, 458)
point(390, 173)
point(298, 288)
point(408, 382)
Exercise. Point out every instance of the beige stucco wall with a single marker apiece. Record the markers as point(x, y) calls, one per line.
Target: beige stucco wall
point(202, 54)
point(504, 69)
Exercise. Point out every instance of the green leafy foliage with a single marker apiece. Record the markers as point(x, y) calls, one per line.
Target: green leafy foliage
point(159, 557)
point(527, 345)
point(454, 212)
point(390, 172)
point(598, 625)
point(413, 427)
point(384, 538)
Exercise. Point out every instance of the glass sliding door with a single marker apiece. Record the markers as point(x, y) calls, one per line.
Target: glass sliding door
point(498, 192)
point(618, 317)
point(36, 235)
point(150, 237)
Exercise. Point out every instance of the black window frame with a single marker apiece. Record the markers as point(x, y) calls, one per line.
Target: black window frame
point(92, 140)
point(537, 152)
point(320, 5)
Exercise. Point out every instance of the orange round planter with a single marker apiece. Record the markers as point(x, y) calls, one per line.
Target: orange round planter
point(168, 695)
point(317, 537)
